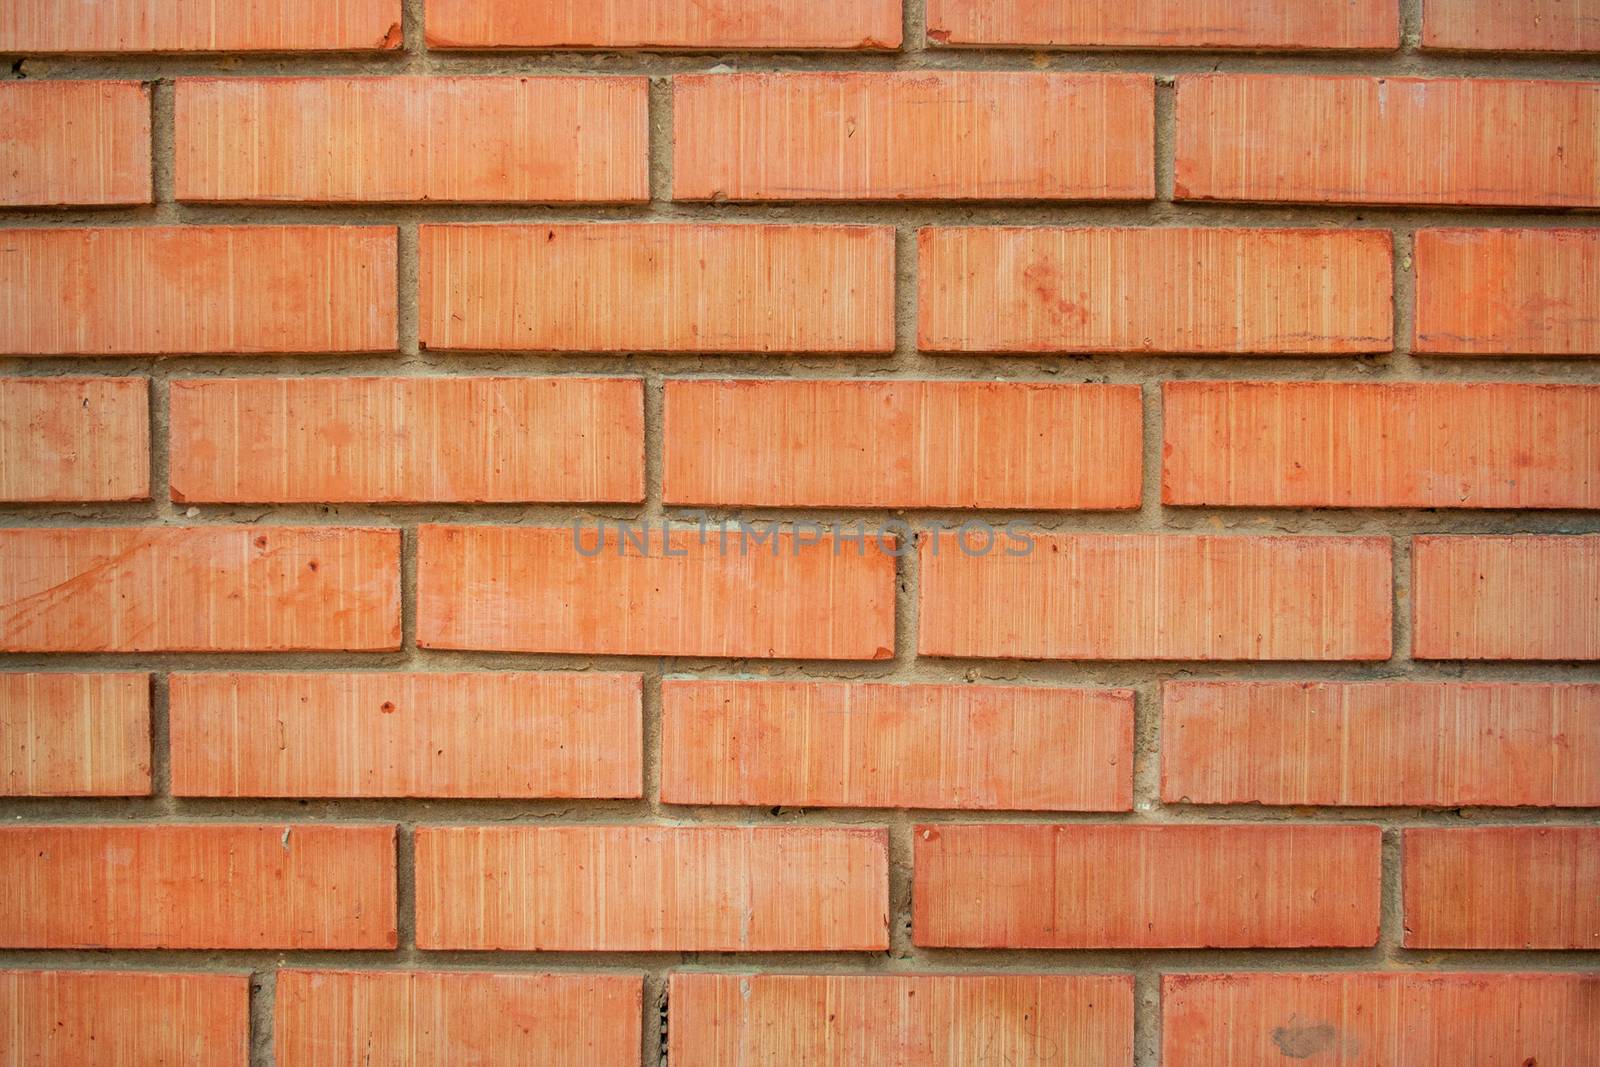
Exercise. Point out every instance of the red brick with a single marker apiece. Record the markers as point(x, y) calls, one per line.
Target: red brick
point(1507, 292)
point(1219, 1020)
point(565, 589)
point(912, 444)
point(200, 885)
point(653, 888)
point(1155, 596)
point(74, 439)
point(68, 142)
point(703, 24)
point(421, 1017)
point(937, 1020)
point(1506, 597)
point(1286, 25)
point(853, 744)
point(1381, 445)
point(1502, 887)
point(1433, 744)
point(408, 439)
point(199, 589)
point(1467, 141)
point(1111, 289)
point(1511, 26)
point(176, 290)
point(924, 135)
point(376, 734)
point(1131, 886)
point(546, 140)
point(74, 734)
point(121, 1018)
point(199, 26)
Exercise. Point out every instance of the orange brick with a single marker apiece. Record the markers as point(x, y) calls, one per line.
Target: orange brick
point(176, 290)
point(1510, 26)
point(853, 744)
point(927, 444)
point(705, 24)
point(1218, 1020)
point(653, 888)
point(408, 439)
point(74, 735)
point(1131, 886)
point(66, 142)
point(201, 885)
point(925, 135)
point(1507, 292)
point(1506, 597)
point(1434, 744)
point(1468, 141)
point(1110, 289)
point(618, 287)
point(1502, 887)
point(1289, 25)
point(546, 140)
point(1155, 596)
point(572, 589)
point(406, 735)
point(74, 439)
point(120, 1018)
point(199, 26)
point(199, 589)
point(419, 1017)
point(937, 1020)
point(1381, 445)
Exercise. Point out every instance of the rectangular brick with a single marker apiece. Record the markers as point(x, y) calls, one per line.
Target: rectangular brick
point(653, 888)
point(543, 140)
point(72, 142)
point(584, 590)
point(1521, 887)
point(925, 135)
point(1510, 26)
point(1526, 597)
point(1381, 445)
point(177, 290)
point(902, 444)
point(408, 439)
point(199, 26)
point(510, 734)
point(74, 439)
point(1278, 25)
point(932, 1020)
point(74, 735)
point(1114, 289)
point(644, 287)
point(198, 885)
point(1422, 744)
point(121, 1018)
point(1218, 1020)
point(1507, 292)
point(1155, 596)
point(199, 589)
point(1444, 141)
point(855, 744)
point(1130, 886)
point(419, 1017)
point(699, 24)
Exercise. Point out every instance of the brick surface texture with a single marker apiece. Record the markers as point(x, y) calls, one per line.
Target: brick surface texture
point(832, 533)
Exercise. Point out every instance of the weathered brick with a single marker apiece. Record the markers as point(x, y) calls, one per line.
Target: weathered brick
point(1519, 597)
point(1510, 26)
point(702, 24)
point(653, 888)
point(74, 439)
point(912, 444)
point(71, 142)
point(199, 26)
point(854, 744)
point(1129, 886)
point(1112, 289)
point(1283, 25)
point(74, 734)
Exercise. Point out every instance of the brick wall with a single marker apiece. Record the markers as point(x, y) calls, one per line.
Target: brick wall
point(1254, 717)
